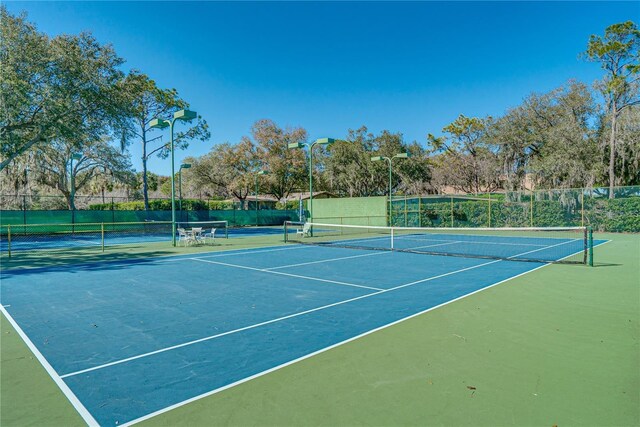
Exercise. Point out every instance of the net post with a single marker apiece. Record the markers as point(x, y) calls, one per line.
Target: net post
point(9, 239)
point(226, 229)
point(419, 211)
point(102, 235)
point(590, 245)
point(489, 210)
point(286, 232)
point(392, 239)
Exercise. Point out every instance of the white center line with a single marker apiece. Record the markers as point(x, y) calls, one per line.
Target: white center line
point(285, 274)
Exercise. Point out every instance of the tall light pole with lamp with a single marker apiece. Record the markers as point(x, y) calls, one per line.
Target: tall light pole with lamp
point(185, 115)
point(320, 141)
point(255, 184)
point(182, 166)
point(389, 160)
point(74, 156)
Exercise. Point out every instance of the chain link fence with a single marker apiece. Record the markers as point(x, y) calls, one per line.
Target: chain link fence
point(540, 208)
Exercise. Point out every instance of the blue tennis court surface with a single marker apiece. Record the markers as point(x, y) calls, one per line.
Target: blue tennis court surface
point(126, 340)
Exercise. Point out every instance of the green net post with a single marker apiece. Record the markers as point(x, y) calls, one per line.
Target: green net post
point(9, 239)
point(590, 245)
point(286, 232)
point(489, 210)
point(102, 235)
point(419, 211)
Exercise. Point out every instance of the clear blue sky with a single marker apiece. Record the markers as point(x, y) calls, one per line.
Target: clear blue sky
point(331, 66)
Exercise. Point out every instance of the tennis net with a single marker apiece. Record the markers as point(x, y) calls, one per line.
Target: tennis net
point(543, 244)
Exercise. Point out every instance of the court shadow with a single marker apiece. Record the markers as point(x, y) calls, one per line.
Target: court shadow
point(78, 260)
point(606, 264)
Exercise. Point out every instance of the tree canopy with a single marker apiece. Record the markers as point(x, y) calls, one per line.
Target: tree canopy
point(70, 94)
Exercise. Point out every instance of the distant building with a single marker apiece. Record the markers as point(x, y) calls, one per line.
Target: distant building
point(305, 196)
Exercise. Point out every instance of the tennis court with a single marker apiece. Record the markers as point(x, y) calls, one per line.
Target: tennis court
point(131, 339)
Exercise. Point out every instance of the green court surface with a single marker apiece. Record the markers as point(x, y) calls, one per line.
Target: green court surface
point(557, 346)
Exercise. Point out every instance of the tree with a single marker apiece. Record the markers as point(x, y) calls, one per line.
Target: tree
point(618, 53)
point(464, 158)
point(97, 156)
point(59, 88)
point(627, 167)
point(349, 170)
point(227, 170)
point(148, 102)
point(548, 140)
point(288, 169)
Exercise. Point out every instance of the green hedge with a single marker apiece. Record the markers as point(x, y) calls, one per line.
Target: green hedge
point(164, 205)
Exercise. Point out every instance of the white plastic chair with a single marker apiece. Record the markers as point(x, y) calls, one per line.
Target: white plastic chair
point(210, 235)
point(197, 235)
point(184, 237)
point(304, 231)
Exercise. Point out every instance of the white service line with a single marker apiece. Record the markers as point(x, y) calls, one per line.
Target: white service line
point(279, 319)
point(285, 274)
point(324, 260)
point(470, 241)
point(546, 247)
point(236, 252)
point(378, 252)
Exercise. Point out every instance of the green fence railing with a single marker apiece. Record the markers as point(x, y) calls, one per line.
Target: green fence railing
point(540, 208)
point(234, 217)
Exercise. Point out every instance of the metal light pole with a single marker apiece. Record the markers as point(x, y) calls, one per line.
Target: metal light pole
point(74, 156)
point(185, 115)
point(182, 166)
point(255, 184)
point(389, 160)
point(321, 141)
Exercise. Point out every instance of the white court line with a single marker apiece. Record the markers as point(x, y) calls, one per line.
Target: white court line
point(471, 242)
point(379, 292)
point(315, 353)
point(285, 274)
point(235, 252)
point(322, 350)
point(324, 260)
point(349, 257)
point(75, 402)
point(279, 319)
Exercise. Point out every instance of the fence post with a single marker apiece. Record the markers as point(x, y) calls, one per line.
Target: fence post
point(531, 209)
point(451, 211)
point(590, 248)
point(406, 219)
point(419, 211)
point(489, 210)
point(9, 239)
point(582, 207)
point(24, 209)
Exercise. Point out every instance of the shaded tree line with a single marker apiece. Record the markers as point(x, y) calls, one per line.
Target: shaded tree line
point(69, 112)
